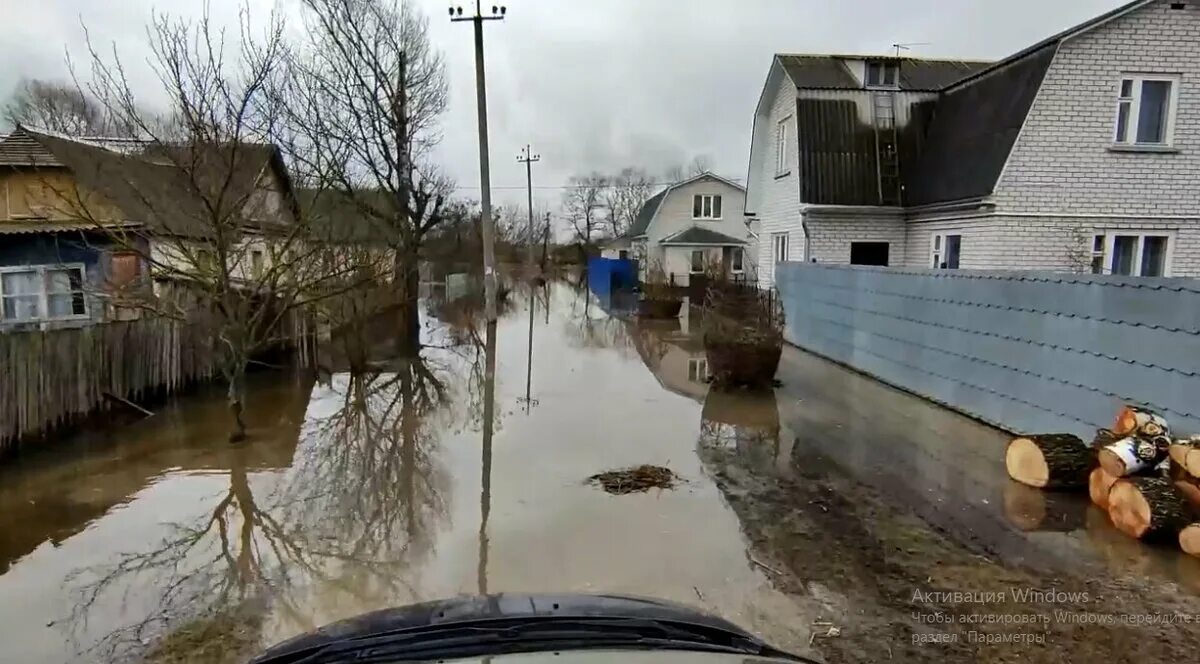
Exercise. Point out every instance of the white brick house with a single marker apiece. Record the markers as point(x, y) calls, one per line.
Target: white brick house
point(1080, 153)
point(690, 226)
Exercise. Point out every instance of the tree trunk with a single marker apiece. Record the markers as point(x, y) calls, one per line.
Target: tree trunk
point(1050, 461)
point(407, 278)
point(1147, 508)
point(1188, 488)
point(236, 397)
point(1099, 484)
point(1129, 456)
point(1029, 509)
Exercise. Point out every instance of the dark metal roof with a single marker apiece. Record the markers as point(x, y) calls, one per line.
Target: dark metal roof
point(972, 131)
point(830, 72)
point(698, 235)
point(646, 214)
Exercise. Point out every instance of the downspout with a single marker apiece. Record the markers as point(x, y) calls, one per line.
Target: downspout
point(807, 258)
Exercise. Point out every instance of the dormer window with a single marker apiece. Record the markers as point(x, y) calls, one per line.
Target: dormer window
point(882, 74)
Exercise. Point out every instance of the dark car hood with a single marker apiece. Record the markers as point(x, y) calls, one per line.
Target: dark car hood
point(500, 606)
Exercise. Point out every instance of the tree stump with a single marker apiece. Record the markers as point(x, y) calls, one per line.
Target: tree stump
point(1147, 508)
point(1049, 461)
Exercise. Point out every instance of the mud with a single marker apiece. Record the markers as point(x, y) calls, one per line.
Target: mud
point(635, 480)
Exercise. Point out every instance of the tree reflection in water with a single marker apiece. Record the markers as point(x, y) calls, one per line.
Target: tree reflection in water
point(343, 526)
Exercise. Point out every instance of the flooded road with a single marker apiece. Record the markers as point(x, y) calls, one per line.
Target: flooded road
point(368, 491)
point(808, 515)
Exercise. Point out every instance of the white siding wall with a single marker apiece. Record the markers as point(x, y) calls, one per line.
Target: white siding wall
point(830, 236)
point(677, 261)
point(1061, 163)
point(983, 245)
point(777, 200)
point(675, 212)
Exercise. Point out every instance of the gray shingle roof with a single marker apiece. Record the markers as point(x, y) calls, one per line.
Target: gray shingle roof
point(830, 72)
point(698, 235)
point(646, 214)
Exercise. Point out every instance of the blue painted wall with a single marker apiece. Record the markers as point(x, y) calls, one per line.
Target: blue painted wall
point(1027, 351)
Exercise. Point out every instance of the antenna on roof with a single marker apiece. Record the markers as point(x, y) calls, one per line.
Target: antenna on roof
point(907, 46)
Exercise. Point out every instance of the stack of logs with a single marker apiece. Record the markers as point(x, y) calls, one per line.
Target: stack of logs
point(1147, 481)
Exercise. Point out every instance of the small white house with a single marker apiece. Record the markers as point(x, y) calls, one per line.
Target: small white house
point(692, 226)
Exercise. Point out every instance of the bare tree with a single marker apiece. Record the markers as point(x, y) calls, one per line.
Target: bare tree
point(627, 192)
point(216, 228)
point(362, 102)
point(58, 107)
point(582, 200)
point(699, 165)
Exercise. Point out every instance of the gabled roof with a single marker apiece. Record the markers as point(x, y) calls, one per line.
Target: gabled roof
point(147, 184)
point(829, 72)
point(701, 236)
point(650, 207)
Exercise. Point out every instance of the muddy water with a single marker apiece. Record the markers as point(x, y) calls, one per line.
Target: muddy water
point(420, 481)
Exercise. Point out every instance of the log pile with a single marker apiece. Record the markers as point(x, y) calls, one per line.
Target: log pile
point(1147, 482)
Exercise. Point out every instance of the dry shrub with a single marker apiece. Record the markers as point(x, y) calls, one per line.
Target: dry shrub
point(657, 286)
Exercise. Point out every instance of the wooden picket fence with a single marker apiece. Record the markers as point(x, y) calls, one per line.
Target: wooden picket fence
point(48, 379)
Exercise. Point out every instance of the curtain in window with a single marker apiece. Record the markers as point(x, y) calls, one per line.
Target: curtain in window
point(22, 295)
point(64, 289)
point(1154, 256)
point(1124, 247)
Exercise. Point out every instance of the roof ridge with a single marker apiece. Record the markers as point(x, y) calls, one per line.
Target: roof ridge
point(861, 56)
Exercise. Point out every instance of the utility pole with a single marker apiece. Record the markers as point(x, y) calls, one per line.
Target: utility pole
point(485, 183)
point(527, 158)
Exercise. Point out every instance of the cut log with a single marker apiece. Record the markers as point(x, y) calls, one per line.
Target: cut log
point(1147, 508)
point(1139, 421)
point(1129, 456)
point(1031, 509)
point(1189, 539)
point(1186, 454)
point(1105, 437)
point(1049, 461)
point(1189, 488)
point(1099, 484)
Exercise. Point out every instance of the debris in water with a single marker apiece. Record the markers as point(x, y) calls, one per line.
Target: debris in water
point(634, 480)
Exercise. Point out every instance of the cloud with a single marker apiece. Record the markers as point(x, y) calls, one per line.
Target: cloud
point(600, 84)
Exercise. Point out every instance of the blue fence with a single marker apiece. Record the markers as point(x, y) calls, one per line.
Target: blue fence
point(1025, 351)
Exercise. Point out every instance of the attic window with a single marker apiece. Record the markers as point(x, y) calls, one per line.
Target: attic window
point(882, 74)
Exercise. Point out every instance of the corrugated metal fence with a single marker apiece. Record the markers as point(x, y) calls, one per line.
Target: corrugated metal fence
point(1025, 351)
point(49, 378)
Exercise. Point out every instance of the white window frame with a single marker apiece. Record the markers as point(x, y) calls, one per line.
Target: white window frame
point(692, 262)
point(937, 249)
point(884, 67)
point(779, 247)
point(44, 294)
point(1134, 101)
point(733, 267)
point(781, 151)
point(708, 204)
point(698, 369)
point(1110, 239)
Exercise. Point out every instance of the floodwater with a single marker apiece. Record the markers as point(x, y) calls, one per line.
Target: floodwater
point(359, 492)
point(816, 504)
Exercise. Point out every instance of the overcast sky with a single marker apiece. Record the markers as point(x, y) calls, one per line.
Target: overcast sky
point(595, 84)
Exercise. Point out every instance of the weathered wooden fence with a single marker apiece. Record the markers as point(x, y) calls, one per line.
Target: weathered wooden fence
point(49, 378)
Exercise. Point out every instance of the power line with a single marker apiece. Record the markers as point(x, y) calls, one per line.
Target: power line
point(574, 186)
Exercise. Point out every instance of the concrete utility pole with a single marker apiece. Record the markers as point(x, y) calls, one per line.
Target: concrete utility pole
point(527, 158)
point(485, 183)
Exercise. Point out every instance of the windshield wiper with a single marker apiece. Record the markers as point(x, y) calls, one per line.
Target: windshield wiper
point(494, 637)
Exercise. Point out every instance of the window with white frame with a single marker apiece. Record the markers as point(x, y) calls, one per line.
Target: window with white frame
point(697, 262)
point(42, 292)
point(1132, 254)
point(1146, 106)
point(944, 251)
point(698, 369)
point(706, 206)
point(779, 247)
point(737, 260)
point(781, 151)
point(882, 74)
